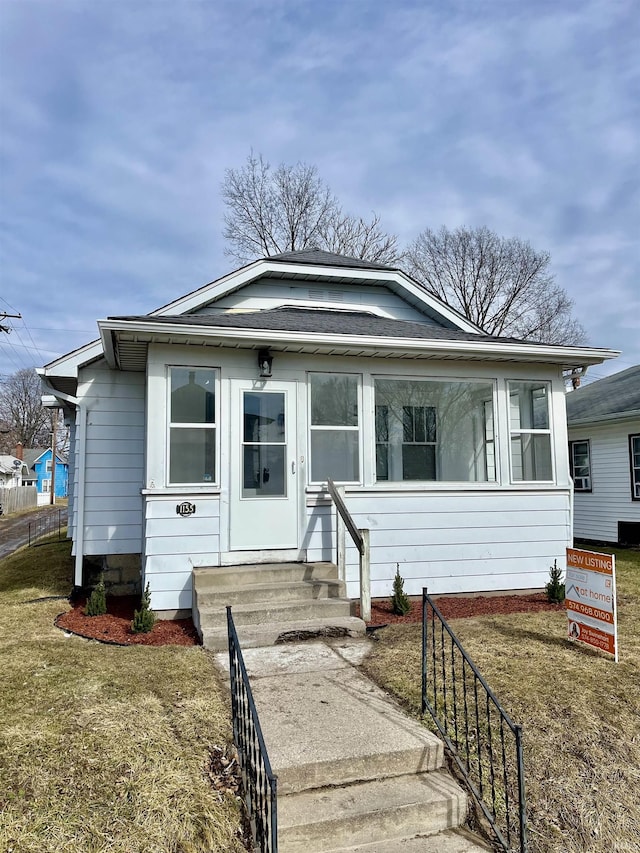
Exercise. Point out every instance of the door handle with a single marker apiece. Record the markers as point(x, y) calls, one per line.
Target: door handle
point(293, 466)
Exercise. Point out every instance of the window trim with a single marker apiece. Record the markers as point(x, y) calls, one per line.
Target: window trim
point(589, 477)
point(511, 432)
point(169, 425)
point(333, 428)
point(635, 483)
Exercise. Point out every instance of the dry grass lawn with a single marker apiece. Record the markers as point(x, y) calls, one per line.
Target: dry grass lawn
point(580, 713)
point(102, 748)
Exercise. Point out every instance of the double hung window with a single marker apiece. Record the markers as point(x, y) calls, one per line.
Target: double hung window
point(580, 465)
point(434, 430)
point(334, 427)
point(634, 458)
point(192, 425)
point(530, 431)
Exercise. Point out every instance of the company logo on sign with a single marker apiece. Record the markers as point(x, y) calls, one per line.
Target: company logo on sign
point(185, 509)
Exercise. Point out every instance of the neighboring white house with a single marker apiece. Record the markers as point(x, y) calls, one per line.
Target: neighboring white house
point(12, 472)
point(204, 433)
point(604, 454)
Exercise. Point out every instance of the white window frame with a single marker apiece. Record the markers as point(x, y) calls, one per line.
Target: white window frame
point(524, 431)
point(634, 469)
point(46, 487)
point(328, 428)
point(578, 484)
point(215, 483)
point(489, 464)
point(48, 466)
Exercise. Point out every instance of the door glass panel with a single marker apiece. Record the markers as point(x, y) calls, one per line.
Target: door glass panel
point(263, 417)
point(264, 471)
point(264, 455)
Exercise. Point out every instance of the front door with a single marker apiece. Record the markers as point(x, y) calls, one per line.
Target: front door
point(263, 496)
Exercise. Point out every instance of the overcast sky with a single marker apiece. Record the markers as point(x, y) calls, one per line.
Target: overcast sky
point(118, 120)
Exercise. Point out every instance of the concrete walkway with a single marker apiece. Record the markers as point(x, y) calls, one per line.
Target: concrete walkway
point(354, 771)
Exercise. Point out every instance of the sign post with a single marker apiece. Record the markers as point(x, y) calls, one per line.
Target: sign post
point(590, 599)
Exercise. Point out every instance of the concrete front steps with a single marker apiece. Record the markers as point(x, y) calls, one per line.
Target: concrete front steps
point(271, 602)
point(355, 774)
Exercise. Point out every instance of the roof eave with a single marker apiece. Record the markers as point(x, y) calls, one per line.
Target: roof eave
point(566, 357)
point(595, 420)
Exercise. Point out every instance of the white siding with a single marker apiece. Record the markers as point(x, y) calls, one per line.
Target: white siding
point(114, 464)
point(268, 293)
point(175, 544)
point(597, 513)
point(450, 542)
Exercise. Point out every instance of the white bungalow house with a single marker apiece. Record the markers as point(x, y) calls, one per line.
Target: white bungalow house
point(205, 433)
point(604, 456)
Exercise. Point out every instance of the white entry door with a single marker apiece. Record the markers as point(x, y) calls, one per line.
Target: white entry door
point(263, 494)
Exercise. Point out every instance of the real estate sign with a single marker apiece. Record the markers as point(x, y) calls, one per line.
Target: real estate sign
point(590, 599)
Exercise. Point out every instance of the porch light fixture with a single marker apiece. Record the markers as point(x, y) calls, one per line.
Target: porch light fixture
point(265, 360)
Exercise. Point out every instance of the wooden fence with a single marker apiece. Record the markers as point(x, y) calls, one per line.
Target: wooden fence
point(20, 497)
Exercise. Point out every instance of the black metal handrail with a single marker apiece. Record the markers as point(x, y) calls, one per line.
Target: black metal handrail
point(44, 525)
point(484, 742)
point(258, 779)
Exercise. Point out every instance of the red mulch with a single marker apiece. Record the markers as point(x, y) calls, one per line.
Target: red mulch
point(115, 626)
point(455, 607)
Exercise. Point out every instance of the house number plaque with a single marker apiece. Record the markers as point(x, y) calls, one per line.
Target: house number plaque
point(185, 509)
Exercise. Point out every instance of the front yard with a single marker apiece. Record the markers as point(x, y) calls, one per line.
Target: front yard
point(580, 713)
point(103, 748)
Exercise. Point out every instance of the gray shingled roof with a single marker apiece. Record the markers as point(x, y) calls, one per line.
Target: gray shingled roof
point(615, 395)
point(321, 321)
point(328, 259)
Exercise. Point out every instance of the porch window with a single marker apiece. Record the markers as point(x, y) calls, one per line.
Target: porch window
point(192, 425)
point(634, 454)
point(434, 430)
point(334, 427)
point(580, 465)
point(530, 431)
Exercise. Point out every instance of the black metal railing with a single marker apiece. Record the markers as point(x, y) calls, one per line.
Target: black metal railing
point(259, 781)
point(484, 743)
point(45, 525)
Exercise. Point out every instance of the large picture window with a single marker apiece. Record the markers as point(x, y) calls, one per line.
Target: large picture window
point(433, 430)
point(334, 430)
point(580, 465)
point(192, 425)
point(530, 431)
point(634, 458)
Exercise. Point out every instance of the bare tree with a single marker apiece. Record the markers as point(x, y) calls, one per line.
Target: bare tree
point(290, 208)
point(21, 411)
point(501, 284)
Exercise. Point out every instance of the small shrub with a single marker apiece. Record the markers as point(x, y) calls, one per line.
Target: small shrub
point(97, 603)
point(555, 587)
point(400, 604)
point(144, 619)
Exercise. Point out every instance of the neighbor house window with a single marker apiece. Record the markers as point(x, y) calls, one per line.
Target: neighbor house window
point(46, 486)
point(634, 454)
point(334, 427)
point(580, 465)
point(530, 430)
point(192, 425)
point(47, 466)
point(434, 430)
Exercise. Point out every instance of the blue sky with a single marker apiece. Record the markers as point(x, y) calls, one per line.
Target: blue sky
point(118, 120)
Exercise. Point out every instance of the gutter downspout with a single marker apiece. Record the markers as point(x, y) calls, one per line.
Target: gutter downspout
point(83, 414)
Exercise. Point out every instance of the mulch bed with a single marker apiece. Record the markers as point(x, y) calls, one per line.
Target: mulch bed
point(115, 626)
point(455, 607)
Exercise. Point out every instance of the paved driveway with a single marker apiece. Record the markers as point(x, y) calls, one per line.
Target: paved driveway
point(14, 529)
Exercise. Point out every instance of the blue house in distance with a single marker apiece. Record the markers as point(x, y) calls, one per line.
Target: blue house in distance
point(39, 460)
